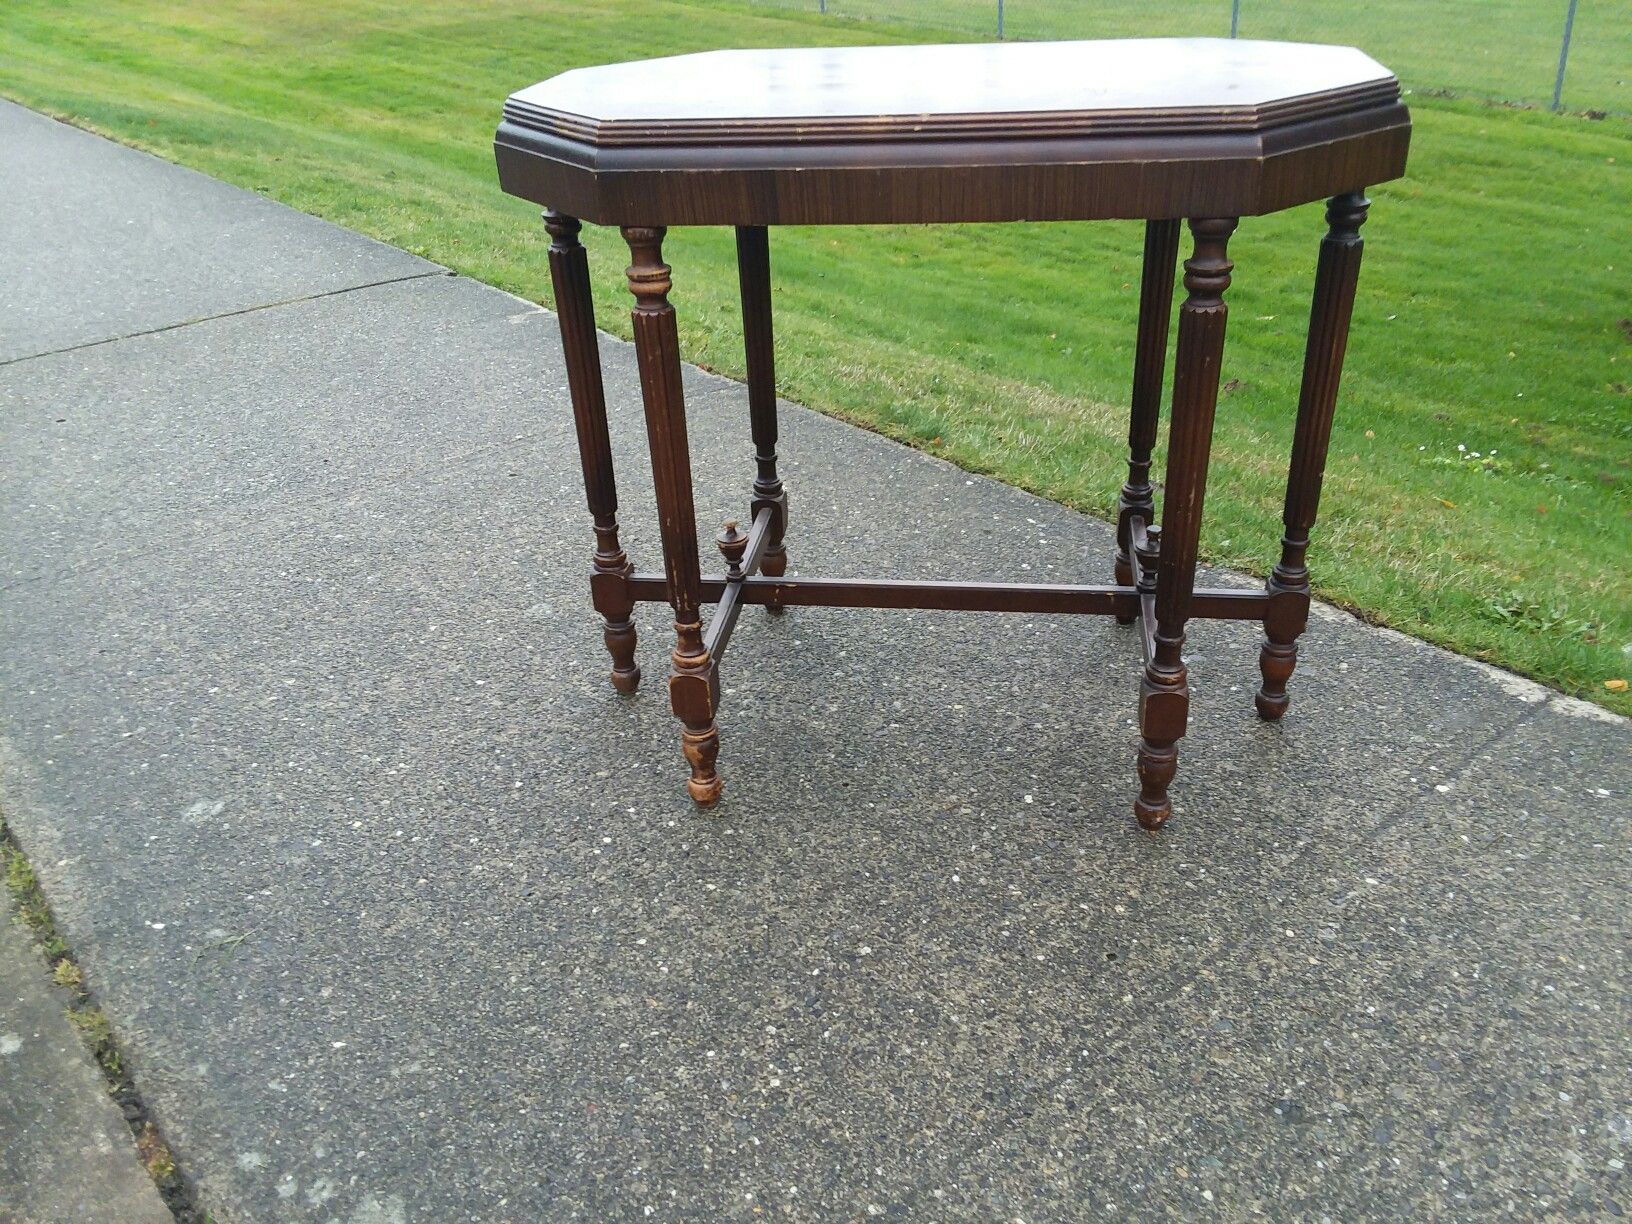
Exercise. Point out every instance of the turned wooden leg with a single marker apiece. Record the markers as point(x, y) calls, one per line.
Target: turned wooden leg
point(1150, 356)
point(754, 276)
point(1288, 585)
point(610, 569)
point(693, 680)
point(1164, 694)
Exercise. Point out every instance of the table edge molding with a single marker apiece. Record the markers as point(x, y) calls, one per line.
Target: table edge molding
point(983, 126)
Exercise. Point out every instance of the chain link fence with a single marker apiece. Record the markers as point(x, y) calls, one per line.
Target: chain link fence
point(1572, 55)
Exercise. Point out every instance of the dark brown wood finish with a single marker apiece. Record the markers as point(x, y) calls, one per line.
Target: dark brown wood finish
point(1164, 695)
point(754, 275)
point(1336, 277)
point(1219, 603)
point(1138, 128)
point(1155, 130)
point(743, 554)
point(609, 575)
point(1149, 360)
point(1082, 179)
point(693, 679)
point(953, 91)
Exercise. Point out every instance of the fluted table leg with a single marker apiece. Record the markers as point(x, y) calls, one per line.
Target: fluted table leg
point(1150, 356)
point(1335, 278)
point(610, 569)
point(1164, 697)
point(693, 680)
point(754, 276)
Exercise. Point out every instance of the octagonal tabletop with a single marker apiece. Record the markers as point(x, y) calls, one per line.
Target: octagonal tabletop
point(1004, 131)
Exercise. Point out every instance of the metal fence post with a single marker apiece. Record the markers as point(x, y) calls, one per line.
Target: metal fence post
point(821, 6)
point(1563, 55)
point(1235, 16)
point(999, 20)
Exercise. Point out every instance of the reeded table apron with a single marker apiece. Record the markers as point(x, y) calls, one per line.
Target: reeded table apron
point(1204, 130)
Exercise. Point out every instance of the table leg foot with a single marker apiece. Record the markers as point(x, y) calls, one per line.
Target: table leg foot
point(1276, 661)
point(701, 747)
point(1157, 764)
point(693, 689)
point(1272, 700)
point(620, 642)
point(609, 590)
point(1284, 622)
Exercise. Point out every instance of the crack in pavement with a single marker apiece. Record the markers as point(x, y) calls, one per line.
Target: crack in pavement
point(226, 314)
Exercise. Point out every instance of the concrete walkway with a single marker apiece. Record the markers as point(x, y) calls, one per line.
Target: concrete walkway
point(401, 912)
point(67, 1153)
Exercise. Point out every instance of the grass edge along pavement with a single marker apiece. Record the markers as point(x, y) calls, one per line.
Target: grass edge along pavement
point(1485, 416)
point(29, 908)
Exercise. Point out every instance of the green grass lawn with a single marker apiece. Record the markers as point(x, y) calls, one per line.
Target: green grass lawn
point(1501, 49)
point(1480, 486)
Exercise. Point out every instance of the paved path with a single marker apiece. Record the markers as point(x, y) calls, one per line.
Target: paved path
point(402, 914)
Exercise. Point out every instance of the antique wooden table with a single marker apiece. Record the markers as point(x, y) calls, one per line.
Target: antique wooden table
point(1158, 130)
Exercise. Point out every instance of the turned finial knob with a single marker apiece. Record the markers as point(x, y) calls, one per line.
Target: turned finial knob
point(1149, 553)
point(733, 544)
